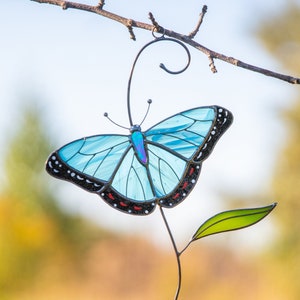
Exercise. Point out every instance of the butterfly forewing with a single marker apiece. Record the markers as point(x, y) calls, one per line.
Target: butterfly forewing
point(97, 156)
point(88, 162)
point(185, 132)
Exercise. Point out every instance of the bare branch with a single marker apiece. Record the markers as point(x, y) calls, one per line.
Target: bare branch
point(129, 23)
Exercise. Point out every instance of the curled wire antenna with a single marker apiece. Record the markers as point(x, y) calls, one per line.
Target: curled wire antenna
point(149, 103)
point(148, 108)
point(160, 39)
point(106, 116)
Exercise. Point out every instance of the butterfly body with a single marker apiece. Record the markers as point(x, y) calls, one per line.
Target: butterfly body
point(133, 173)
point(137, 140)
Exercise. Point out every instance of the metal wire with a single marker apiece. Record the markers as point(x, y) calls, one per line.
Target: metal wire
point(156, 40)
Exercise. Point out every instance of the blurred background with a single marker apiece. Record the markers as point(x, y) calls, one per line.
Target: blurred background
point(60, 70)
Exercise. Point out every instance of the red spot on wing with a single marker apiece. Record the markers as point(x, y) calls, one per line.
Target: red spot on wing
point(110, 196)
point(191, 171)
point(137, 207)
point(185, 184)
point(176, 196)
point(123, 204)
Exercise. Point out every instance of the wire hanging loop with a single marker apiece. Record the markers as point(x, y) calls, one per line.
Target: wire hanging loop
point(157, 29)
point(162, 66)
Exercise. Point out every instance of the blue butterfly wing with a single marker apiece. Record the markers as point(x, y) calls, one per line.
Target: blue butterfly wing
point(178, 145)
point(106, 165)
point(165, 169)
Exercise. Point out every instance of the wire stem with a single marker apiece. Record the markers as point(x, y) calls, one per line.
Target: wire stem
point(161, 66)
point(185, 247)
point(177, 253)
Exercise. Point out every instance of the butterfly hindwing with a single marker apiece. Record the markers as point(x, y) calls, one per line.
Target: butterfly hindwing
point(132, 179)
point(166, 169)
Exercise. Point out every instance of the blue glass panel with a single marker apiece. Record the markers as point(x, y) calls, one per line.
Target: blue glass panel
point(201, 127)
point(96, 156)
point(201, 113)
point(183, 133)
point(173, 124)
point(185, 146)
point(98, 143)
point(104, 166)
point(79, 161)
point(70, 149)
point(166, 170)
point(131, 179)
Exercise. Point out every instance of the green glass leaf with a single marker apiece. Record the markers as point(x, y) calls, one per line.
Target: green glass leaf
point(232, 220)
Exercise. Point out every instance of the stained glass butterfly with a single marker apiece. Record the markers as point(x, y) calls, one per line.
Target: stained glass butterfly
point(134, 173)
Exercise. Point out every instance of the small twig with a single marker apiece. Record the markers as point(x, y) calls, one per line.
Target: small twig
point(201, 17)
point(64, 5)
point(184, 38)
point(130, 29)
point(101, 4)
point(212, 64)
point(157, 28)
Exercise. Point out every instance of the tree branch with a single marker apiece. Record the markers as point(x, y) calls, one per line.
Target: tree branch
point(188, 39)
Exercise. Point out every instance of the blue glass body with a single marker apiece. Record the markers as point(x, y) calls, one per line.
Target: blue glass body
point(137, 139)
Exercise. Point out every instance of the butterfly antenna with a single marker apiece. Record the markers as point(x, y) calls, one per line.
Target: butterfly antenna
point(149, 103)
point(106, 116)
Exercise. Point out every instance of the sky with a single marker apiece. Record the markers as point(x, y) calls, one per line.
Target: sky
point(77, 65)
